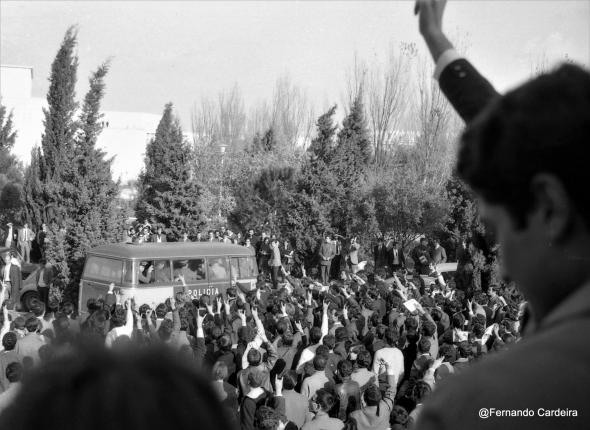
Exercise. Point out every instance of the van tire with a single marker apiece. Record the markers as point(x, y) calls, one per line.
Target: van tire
point(28, 298)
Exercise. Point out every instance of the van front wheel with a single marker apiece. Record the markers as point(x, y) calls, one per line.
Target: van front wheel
point(28, 298)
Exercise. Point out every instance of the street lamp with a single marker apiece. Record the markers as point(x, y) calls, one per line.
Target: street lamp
point(222, 148)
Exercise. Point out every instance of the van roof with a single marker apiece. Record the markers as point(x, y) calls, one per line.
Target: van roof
point(169, 250)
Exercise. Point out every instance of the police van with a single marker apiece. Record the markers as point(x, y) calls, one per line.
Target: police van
point(152, 272)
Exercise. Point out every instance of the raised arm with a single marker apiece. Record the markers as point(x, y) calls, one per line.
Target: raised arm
point(465, 88)
point(6, 324)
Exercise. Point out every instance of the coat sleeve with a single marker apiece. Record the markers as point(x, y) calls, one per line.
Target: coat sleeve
point(15, 278)
point(247, 412)
point(466, 89)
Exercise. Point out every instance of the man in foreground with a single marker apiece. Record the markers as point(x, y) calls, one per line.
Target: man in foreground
point(525, 156)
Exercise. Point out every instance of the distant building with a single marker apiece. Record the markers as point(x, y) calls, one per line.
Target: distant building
point(124, 135)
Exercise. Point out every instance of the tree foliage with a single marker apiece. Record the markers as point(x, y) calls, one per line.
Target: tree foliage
point(169, 194)
point(69, 184)
point(11, 171)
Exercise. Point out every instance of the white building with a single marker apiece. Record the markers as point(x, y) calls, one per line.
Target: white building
point(125, 134)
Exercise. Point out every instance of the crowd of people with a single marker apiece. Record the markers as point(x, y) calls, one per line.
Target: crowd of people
point(362, 349)
point(369, 349)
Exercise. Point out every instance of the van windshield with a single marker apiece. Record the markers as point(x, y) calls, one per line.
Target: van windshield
point(103, 269)
point(244, 267)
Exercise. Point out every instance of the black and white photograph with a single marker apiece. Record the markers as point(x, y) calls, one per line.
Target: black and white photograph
point(295, 215)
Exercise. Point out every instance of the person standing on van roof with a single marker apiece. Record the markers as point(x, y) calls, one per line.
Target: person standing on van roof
point(275, 263)
point(159, 237)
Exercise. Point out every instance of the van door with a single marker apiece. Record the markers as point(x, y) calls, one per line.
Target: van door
point(99, 273)
point(154, 282)
point(244, 272)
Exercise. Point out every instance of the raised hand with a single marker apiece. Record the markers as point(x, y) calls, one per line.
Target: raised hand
point(209, 309)
point(299, 326)
point(325, 306)
point(278, 386)
point(172, 303)
point(254, 311)
point(345, 312)
point(242, 315)
point(199, 319)
point(430, 15)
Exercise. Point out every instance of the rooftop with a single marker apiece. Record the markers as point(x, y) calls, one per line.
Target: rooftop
point(169, 250)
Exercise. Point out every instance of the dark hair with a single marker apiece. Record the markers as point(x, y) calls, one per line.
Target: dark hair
point(420, 391)
point(161, 310)
point(9, 341)
point(464, 350)
point(254, 357)
point(325, 399)
point(37, 308)
point(99, 383)
point(224, 343)
point(345, 368)
point(541, 126)
point(32, 324)
point(119, 316)
point(329, 341)
point(399, 416)
point(315, 335)
point(458, 321)
point(290, 380)
point(478, 330)
point(14, 372)
point(68, 308)
point(428, 328)
point(391, 336)
point(372, 395)
point(363, 359)
point(340, 334)
point(447, 351)
point(319, 362)
point(424, 346)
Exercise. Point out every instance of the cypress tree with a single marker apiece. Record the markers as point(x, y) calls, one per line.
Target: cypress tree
point(169, 195)
point(69, 184)
point(323, 144)
point(94, 217)
point(11, 172)
point(57, 143)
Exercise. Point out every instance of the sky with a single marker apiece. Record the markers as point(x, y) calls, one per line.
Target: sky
point(182, 51)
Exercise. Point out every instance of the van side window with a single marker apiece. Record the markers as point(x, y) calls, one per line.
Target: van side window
point(162, 271)
point(128, 276)
point(235, 268)
point(217, 268)
point(145, 274)
point(154, 272)
point(192, 270)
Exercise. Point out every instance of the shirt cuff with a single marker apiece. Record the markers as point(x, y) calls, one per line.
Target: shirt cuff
point(444, 60)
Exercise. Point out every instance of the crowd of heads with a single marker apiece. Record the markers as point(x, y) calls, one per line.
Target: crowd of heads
point(302, 328)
